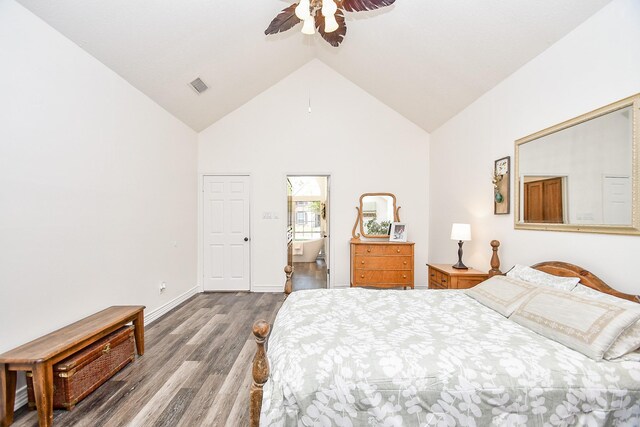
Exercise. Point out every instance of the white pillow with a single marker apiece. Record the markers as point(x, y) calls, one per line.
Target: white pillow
point(586, 291)
point(634, 356)
point(538, 277)
point(587, 325)
point(501, 294)
point(629, 340)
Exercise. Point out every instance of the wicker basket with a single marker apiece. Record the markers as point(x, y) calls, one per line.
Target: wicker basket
point(83, 372)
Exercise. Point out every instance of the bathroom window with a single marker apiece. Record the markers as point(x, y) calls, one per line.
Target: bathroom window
point(308, 220)
point(301, 218)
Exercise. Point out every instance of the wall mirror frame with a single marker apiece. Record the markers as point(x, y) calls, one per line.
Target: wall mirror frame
point(572, 221)
point(392, 214)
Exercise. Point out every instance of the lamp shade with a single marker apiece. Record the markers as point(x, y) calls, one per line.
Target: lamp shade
point(329, 8)
point(461, 232)
point(302, 10)
point(309, 26)
point(330, 24)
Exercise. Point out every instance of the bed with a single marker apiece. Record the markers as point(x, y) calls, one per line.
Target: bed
point(358, 357)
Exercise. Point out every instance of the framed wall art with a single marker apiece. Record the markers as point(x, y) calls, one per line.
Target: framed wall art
point(501, 186)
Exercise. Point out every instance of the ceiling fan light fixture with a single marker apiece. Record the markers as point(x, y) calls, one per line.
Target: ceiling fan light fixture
point(325, 16)
point(330, 24)
point(329, 8)
point(302, 10)
point(309, 26)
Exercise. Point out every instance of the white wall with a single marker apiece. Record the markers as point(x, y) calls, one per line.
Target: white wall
point(596, 64)
point(98, 186)
point(363, 144)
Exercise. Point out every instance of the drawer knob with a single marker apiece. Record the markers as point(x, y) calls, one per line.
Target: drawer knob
point(444, 280)
point(405, 263)
point(362, 262)
point(404, 276)
point(368, 249)
point(362, 276)
point(398, 250)
point(433, 275)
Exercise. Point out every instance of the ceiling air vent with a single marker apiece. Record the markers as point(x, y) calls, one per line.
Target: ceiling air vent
point(198, 85)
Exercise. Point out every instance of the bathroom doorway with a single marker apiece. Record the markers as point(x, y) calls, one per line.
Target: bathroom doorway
point(308, 230)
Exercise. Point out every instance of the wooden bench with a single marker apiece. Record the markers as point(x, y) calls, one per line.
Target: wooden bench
point(39, 356)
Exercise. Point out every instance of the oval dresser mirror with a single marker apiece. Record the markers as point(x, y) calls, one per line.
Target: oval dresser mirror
point(376, 213)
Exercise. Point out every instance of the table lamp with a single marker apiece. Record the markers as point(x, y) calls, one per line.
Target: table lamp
point(461, 233)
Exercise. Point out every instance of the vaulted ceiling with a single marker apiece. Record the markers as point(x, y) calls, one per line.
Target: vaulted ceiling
point(426, 59)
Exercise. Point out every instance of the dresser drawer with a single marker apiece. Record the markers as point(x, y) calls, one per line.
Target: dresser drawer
point(436, 285)
point(380, 249)
point(402, 278)
point(438, 278)
point(468, 282)
point(377, 264)
point(443, 276)
point(363, 262)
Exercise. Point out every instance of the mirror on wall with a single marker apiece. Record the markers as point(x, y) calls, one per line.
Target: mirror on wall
point(376, 213)
point(581, 175)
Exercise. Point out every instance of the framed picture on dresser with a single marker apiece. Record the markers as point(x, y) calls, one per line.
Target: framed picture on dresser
point(398, 232)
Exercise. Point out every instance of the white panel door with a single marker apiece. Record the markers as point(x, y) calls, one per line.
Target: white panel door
point(226, 233)
point(617, 200)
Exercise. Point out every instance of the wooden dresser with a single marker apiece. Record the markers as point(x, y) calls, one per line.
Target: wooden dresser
point(443, 276)
point(381, 264)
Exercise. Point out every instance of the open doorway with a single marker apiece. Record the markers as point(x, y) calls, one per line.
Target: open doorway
point(308, 230)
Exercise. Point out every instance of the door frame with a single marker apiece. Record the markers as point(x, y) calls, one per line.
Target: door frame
point(200, 266)
point(330, 180)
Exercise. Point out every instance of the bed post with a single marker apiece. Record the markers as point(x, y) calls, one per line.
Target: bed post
point(288, 270)
point(260, 372)
point(495, 261)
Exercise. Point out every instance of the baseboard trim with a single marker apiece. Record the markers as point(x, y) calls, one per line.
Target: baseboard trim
point(21, 393)
point(154, 315)
point(267, 288)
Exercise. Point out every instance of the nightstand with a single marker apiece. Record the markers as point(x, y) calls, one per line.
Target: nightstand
point(443, 276)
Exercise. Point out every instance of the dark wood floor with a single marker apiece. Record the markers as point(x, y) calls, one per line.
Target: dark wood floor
point(195, 371)
point(309, 275)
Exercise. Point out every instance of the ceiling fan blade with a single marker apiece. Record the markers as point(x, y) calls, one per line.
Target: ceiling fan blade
point(284, 21)
point(362, 5)
point(334, 38)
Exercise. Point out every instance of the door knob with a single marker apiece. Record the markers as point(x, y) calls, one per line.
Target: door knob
point(246, 239)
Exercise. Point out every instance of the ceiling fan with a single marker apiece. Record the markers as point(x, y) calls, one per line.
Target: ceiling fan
point(325, 16)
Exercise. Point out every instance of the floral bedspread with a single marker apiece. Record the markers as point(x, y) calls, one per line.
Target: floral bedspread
point(359, 357)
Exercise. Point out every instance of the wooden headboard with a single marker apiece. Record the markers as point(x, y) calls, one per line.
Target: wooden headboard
point(564, 269)
point(592, 281)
